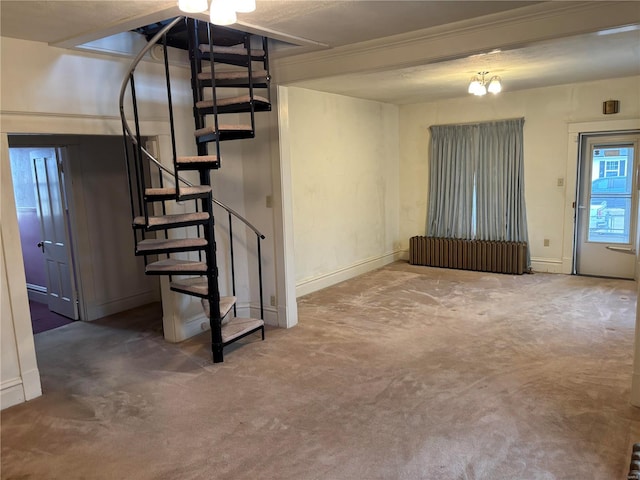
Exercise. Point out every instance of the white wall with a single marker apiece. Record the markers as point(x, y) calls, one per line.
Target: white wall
point(344, 175)
point(548, 113)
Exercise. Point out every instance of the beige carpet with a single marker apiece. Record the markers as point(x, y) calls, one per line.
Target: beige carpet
point(403, 373)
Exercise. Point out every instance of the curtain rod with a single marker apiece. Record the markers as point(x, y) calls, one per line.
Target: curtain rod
point(476, 123)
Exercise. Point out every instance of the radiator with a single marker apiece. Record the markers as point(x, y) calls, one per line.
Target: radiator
point(479, 255)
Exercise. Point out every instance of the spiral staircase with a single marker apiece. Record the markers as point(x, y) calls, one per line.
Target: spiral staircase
point(173, 219)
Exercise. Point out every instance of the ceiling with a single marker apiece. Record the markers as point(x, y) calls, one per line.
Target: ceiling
point(305, 27)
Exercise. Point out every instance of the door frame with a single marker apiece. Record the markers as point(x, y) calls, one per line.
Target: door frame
point(585, 139)
point(571, 184)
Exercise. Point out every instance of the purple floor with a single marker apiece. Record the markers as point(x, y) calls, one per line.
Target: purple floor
point(42, 319)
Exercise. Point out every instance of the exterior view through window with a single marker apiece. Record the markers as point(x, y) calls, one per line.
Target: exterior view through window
point(611, 192)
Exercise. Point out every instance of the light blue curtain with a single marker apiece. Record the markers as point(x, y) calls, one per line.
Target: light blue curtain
point(476, 183)
point(451, 177)
point(501, 212)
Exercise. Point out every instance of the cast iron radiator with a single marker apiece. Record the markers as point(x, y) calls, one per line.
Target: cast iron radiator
point(479, 255)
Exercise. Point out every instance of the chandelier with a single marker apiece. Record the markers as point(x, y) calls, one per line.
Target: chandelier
point(222, 12)
point(480, 86)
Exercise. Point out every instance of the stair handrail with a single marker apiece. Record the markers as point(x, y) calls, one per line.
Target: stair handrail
point(133, 138)
point(214, 200)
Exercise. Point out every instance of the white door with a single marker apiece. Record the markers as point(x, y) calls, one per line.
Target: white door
point(55, 245)
point(608, 206)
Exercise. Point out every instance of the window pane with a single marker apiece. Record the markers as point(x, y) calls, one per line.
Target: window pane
point(609, 219)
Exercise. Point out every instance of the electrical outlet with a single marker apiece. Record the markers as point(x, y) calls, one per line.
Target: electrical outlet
point(546, 242)
point(561, 182)
point(273, 300)
point(269, 201)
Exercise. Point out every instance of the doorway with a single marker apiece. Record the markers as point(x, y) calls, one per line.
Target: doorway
point(43, 221)
point(606, 230)
point(109, 278)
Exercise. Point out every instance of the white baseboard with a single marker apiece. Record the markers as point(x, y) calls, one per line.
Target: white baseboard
point(192, 326)
point(326, 280)
point(11, 393)
point(36, 293)
point(31, 384)
point(546, 265)
point(121, 304)
point(270, 314)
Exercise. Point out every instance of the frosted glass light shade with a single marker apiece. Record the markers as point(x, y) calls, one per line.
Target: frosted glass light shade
point(223, 12)
point(494, 85)
point(244, 6)
point(193, 6)
point(474, 85)
point(481, 90)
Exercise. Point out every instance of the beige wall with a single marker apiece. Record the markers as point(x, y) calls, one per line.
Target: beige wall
point(344, 176)
point(548, 113)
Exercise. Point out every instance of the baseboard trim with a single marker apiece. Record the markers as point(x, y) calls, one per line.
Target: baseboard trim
point(326, 280)
point(546, 265)
point(31, 384)
point(121, 304)
point(270, 314)
point(37, 293)
point(11, 393)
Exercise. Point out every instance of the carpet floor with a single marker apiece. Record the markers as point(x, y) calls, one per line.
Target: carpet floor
point(42, 319)
point(402, 373)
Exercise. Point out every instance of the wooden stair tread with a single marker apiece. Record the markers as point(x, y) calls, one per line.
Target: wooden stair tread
point(234, 75)
point(233, 50)
point(175, 265)
point(197, 159)
point(196, 285)
point(226, 304)
point(238, 327)
point(154, 244)
point(211, 130)
point(172, 219)
point(222, 102)
point(169, 192)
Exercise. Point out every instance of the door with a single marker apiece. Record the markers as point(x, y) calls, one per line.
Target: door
point(54, 243)
point(608, 206)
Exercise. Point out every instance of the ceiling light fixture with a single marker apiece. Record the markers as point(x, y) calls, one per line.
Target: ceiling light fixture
point(480, 86)
point(193, 6)
point(222, 12)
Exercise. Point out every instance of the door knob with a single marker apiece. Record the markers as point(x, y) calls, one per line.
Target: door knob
point(41, 246)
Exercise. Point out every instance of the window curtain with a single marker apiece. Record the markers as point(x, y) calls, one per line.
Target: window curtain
point(451, 181)
point(476, 182)
point(500, 207)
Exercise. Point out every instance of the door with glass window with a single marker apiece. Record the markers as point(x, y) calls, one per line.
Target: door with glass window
point(608, 205)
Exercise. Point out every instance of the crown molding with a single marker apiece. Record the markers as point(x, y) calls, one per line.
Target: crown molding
point(504, 30)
